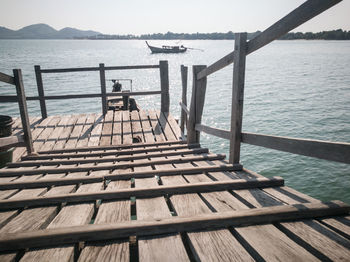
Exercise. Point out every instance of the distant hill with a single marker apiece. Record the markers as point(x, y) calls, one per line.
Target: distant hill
point(43, 31)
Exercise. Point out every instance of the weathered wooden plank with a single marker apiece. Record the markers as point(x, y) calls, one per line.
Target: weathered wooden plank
point(110, 212)
point(205, 245)
point(146, 127)
point(237, 97)
point(333, 151)
point(86, 132)
point(148, 192)
point(300, 15)
point(118, 147)
point(116, 175)
point(341, 225)
point(40, 85)
point(110, 152)
point(64, 135)
point(157, 129)
point(220, 64)
point(107, 130)
point(213, 131)
point(174, 126)
point(156, 208)
point(127, 135)
point(117, 129)
point(55, 170)
point(164, 86)
point(137, 134)
point(106, 159)
point(76, 132)
point(45, 134)
point(72, 215)
point(183, 103)
point(7, 79)
point(90, 232)
point(94, 137)
point(12, 141)
point(169, 135)
point(197, 104)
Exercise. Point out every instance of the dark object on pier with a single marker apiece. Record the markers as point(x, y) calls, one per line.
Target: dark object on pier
point(5, 131)
point(167, 49)
point(124, 103)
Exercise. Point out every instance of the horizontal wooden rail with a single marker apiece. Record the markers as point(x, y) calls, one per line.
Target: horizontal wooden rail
point(8, 99)
point(7, 79)
point(220, 64)
point(11, 141)
point(236, 218)
point(300, 15)
point(111, 147)
point(118, 176)
point(339, 152)
point(107, 159)
point(57, 170)
point(108, 153)
point(85, 69)
point(184, 108)
point(142, 192)
point(213, 131)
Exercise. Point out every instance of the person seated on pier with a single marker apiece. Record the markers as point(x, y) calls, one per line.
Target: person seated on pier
point(117, 87)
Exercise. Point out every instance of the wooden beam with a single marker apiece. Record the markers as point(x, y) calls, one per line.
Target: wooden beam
point(22, 104)
point(109, 152)
point(237, 96)
point(56, 97)
point(112, 147)
point(220, 64)
point(7, 79)
point(8, 99)
point(107, 159)
point(58, 170)
point(103, 89)
point(40, 85)
point(11, 141)
point(132, 67)
point(183, 103)
point(197, 104)
point(142, 192)
point(333, 151)
point(164, 86)
point(37, 183)
point(213, 131)
point(300, 15)
point(236, 218)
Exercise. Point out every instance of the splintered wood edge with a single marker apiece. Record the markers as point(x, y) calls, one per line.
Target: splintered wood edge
point(237, 218)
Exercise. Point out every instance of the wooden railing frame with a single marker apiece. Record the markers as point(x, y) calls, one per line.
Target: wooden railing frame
point(183, 103)
point(164, 85)
point(312, 148)
point(25, 140)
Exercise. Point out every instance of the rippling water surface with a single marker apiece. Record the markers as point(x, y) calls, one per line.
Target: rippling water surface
point(293, 88)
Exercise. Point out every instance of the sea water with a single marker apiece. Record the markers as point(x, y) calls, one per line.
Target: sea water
point(293, 88)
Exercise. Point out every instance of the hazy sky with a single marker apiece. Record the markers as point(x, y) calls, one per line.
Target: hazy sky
point(160, 16)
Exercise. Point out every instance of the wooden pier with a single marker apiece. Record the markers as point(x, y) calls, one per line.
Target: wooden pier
point(131, 186)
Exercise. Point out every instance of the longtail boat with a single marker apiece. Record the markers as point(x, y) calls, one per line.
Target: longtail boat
point(167, 49)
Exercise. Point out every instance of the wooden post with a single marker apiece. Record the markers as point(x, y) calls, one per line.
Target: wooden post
point(164, 85)
point(197, 103)
point(103, 88)
point(237, 96)
point(22, 103)
point(184, 74)
point(39, 83)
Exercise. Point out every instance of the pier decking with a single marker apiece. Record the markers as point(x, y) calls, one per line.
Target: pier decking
point(130, 189)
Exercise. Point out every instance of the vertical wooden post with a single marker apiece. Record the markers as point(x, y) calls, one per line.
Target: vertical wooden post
point(39, 83)
point(197, 104)
point(22, 103)
point(164, 86)
point(184, 74)
point(237, 96)
point(103, 88)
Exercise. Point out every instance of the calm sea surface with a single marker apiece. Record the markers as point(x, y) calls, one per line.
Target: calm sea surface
point(293, 88)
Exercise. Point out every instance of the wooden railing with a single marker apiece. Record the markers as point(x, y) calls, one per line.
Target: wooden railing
point(339, 152)
point(164, 86)
point(26, 138)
